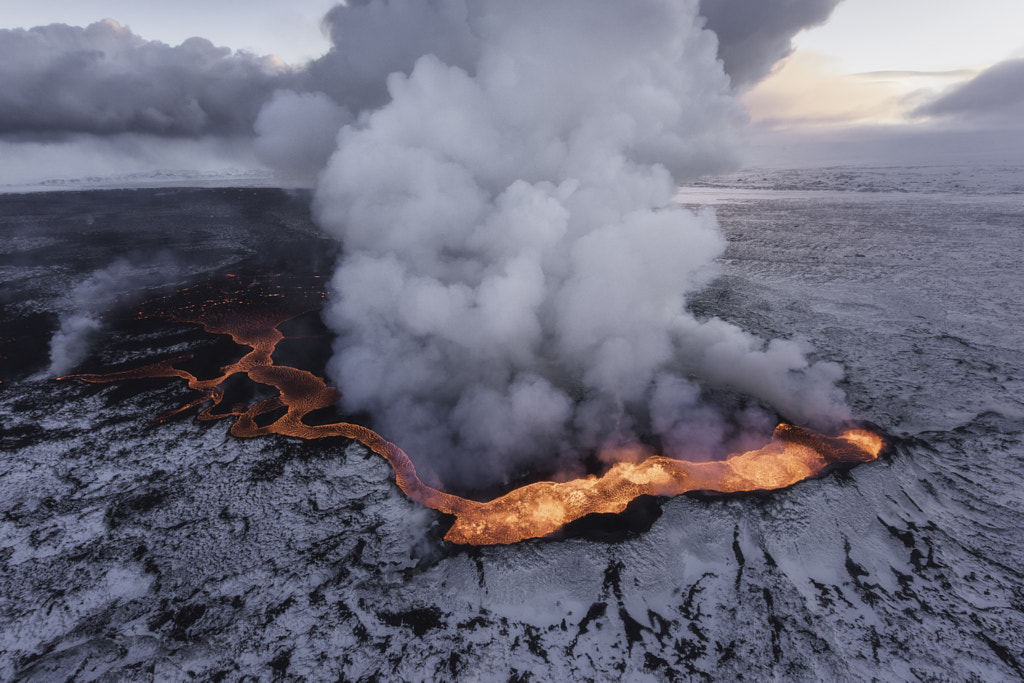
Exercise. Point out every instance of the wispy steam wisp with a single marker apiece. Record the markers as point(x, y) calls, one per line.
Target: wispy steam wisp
point(120, 283)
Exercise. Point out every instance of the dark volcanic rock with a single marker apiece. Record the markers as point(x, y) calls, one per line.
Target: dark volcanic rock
point(132, 550)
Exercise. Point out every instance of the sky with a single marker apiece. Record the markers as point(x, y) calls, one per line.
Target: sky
point(291, 30)
point(867, 74)
point(918, 35)
point(874, 53)
point(852, 90)
point(862, 35)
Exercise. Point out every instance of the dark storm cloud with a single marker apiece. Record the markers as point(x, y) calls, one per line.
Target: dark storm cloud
point(996, 93)
point(103, 79)
point(754, 34)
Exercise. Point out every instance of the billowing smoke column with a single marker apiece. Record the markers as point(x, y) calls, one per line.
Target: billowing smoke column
point(514, 279)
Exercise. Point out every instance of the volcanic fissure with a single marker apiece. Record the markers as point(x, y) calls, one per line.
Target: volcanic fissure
point(252, 315)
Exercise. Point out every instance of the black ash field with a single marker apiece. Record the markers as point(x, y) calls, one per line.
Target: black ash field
point(132, 550)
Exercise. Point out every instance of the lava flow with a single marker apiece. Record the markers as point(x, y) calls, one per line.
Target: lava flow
point(532, 511)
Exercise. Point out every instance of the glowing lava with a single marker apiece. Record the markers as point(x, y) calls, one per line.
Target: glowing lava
point(532, 511)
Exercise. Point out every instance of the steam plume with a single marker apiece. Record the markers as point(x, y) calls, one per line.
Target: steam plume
point(296, 132)
point(515, 273)
point(118, 283)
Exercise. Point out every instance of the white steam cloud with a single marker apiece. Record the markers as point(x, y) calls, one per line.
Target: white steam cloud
point(513, 288)
point(296, 132)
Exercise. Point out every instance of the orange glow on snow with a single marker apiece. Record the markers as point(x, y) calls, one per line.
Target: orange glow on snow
point(252, 315)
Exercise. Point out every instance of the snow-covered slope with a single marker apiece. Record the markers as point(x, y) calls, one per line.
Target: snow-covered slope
point(133, 550)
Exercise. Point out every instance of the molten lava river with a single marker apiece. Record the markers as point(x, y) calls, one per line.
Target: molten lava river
point(251, 315)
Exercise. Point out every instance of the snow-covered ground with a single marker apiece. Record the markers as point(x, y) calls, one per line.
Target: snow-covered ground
point(164, 178)
point(132, 551)
point(988, 178)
